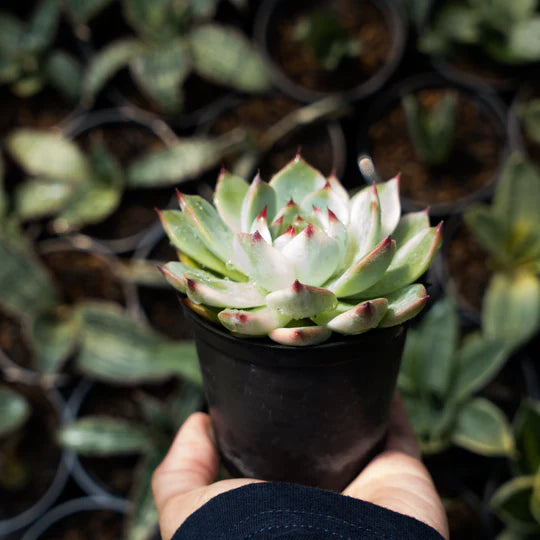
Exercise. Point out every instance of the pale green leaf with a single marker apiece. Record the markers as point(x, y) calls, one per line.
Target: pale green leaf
point(224, 56)
point(254, 322)
point(511, 308)
point(41, 26)
point(409, 262)
point(529, 114)
point(300, 301)
point(259, 195)
point(488, 229)
point(295, 181)
point(524, 39)
point(361, 318)
point(184, 237)
point(104, 436)
point(46, 153)
point(263, 263)
point(118, 349)
point(14, 410)
point(228, 198)
point(410, 225)
point(404, 304)
point(300, 336)
point(481, 427)
point(106, 63)
point(40, 197)
point(477, 362)
point(160, 72)
point(186, 159)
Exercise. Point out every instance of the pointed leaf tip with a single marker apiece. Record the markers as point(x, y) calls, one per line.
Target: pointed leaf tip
point(332, 216)
point(291, 231)
point(291, 202)
point(257, 237)
point(309, 230)
point(264, 212)
point(297, 286)
point(179, 196)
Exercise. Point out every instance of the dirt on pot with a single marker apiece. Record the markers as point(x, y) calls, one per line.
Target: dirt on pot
point(467, 267)
point(363, 21)
point(258, 115)
point(29, 457)
point(471, 166)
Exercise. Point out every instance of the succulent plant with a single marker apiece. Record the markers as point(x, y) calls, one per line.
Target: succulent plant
point(432, 130)
point(505, 31)
point(297, 259)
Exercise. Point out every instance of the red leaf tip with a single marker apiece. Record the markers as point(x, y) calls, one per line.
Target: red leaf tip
point(297, 286)
point(191, 285)
point(310, 230)
point(315, 208)
point(331, 215)
point(257, 237)
point(180, 196)
point(263, 213)
point(290, 230)
point(291, 203)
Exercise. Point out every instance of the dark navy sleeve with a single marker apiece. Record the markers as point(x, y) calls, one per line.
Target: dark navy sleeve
point(293, 512)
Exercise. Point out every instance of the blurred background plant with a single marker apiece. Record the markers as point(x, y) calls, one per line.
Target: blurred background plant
point(78, 309)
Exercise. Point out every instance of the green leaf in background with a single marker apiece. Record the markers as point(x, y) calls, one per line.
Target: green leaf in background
point(224, 56)
point(40, 197)
point(184, 160)
point(511, 502)
point(143, 517)
point(322, 31)
point(511, 308)
point(118, 349)
point(149, 19)
point(46, 153)
point(82, 11)
point(524, 40)
point(25, 286)
point(11, 32)
point(517, 200)
point(527, 434)
point(141, 272)
point(535, 499)
point(439, 336)
point(432, 130)
point(54, 339)
point(64, 73)
point(14, 410)
point(529, 114)
point(104, 436)
point(107, 63)
point(481, 427)
point(417, 11)
point(477, 362)
point(160, 72)
point(26, 87)
point(489, 230)
point(42, 26)
point(91, 203)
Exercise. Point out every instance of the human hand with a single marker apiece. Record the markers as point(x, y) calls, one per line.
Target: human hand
point(395, 479)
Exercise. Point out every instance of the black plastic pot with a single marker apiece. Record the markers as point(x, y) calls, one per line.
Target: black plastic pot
point(487, 102)
point(313, 415)
point(265, 32)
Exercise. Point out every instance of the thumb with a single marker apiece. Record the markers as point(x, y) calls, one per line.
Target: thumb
point(192, 461)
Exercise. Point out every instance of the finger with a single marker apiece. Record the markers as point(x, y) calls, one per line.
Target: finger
point(401, 435)
point(192, 460)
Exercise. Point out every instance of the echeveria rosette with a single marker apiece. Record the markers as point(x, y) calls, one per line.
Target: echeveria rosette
point(297, 258)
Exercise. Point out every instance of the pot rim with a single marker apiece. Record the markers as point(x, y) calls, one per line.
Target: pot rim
point(398, 30)
point(263, 351)
point(486, 100)
point(65, 465)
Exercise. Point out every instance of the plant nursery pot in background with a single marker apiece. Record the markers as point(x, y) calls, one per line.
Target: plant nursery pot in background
point(309, 415)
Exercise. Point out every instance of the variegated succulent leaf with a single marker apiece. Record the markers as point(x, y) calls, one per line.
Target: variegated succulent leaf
point(296, 258)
